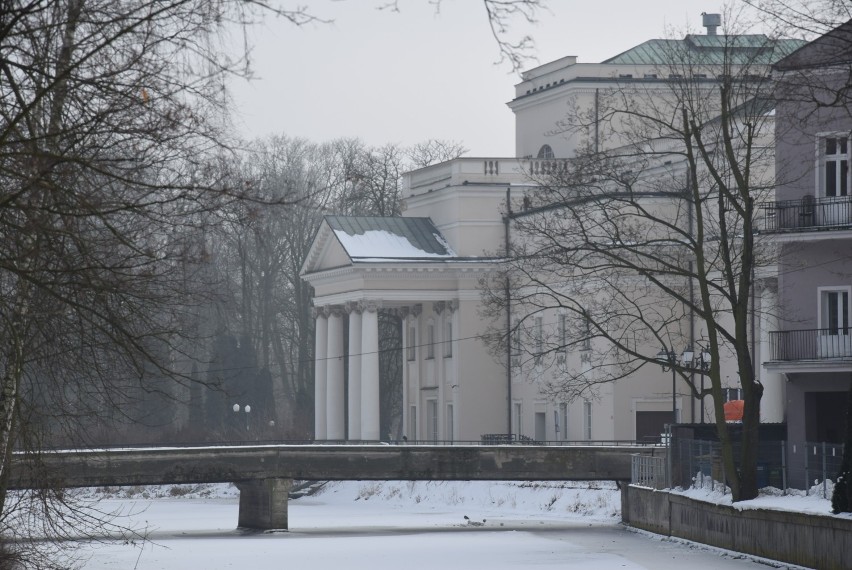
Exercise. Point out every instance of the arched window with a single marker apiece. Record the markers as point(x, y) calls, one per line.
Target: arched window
point(545, 152)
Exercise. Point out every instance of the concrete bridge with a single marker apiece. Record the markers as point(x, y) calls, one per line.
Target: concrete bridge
point(264, 473)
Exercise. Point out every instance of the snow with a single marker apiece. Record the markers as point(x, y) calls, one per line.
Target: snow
point(383, 244)
point(388, 525)
point(813, 501)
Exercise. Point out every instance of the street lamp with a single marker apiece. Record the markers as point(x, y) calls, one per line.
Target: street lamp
point(247, 409)
point(668, 359)
point(702, 362)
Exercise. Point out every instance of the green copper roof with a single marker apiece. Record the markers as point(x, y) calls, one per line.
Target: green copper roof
point(709, 50)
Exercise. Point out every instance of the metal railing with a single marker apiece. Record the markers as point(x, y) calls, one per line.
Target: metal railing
point(812, 344)
point(808, 214)
point(783, 465)
point(649, 471)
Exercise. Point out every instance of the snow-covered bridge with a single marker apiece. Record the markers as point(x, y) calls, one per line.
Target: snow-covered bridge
point(264, 473)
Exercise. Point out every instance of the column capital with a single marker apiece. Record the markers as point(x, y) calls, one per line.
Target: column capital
point(416, 310)
point(452, 305)
point(439, 306)
point(333, 310)
point(352, 307)
point(369, 305)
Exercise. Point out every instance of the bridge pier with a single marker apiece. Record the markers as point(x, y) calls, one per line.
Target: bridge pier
point(263, 503)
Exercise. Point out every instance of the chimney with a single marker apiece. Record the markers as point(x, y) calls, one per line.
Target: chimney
point(711, 22)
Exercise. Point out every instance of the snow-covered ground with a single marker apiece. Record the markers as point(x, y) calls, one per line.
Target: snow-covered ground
point(392, 525)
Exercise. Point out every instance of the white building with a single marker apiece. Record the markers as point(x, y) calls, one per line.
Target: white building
point(428, 265)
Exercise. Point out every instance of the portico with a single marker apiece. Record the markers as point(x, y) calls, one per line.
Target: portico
point(361, 267)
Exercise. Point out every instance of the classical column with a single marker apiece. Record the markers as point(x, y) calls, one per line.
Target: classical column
point(354, 371)
point(772, 403)
point(334, 399)
point(320, 371)
point(370, 372)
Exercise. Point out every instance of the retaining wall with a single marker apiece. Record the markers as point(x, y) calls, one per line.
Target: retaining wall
point(815, 541)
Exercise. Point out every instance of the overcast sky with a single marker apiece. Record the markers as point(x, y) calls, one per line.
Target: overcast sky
point(412, 75)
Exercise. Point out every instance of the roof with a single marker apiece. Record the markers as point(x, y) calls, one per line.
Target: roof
point(709, 50)
point(374, 237)
point(832, 48)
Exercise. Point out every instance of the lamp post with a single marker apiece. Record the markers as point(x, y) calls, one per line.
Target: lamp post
point(247, 409)
point(668, 359)
point(702, 362)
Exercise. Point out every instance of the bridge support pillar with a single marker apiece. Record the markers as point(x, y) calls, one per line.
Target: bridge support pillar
point(263, 504)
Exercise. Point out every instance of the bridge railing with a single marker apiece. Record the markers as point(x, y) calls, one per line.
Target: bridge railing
point(649, 471)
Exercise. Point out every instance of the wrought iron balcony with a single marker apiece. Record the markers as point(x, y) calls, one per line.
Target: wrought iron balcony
point(814, 344)
point(808, 214)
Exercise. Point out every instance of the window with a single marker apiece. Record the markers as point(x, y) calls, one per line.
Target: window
point(545, 152)
point(450, 426)
point(432, 419)
point(587, 420)
point(834, 309)
point(430, 340)
point(412, 343)
point(587, 334)
point(732, 394)
point(516, 420)
point(412, 423)
point(563, 415)
point(563, 337)
point(538, 332)
point(540, 426)
point(448, 338)
point(834, 152)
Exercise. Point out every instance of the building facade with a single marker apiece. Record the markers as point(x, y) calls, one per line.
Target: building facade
point(430, 266)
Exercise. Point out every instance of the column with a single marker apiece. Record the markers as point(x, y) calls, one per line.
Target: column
point(772, 403)
point(370, 372)
point(334, 375)
point(263, 503)
point(320, 371)
point(354, 371)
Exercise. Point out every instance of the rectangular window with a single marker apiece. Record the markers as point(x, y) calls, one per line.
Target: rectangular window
point(448, 339)
point(432, 419)
point(540, 426)
point(430, 340)
point(563, 331)
point(412, 343)
point(412, 423)
point(587, 421)
point(563, 414)
point(732, 394)
point(538, 334)
point(834, 308)
point(835, 166)
point(587, 334)
point(516, 417)
point(450, 426)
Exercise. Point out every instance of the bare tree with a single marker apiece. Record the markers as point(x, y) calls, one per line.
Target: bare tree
point(111, 114)
point(647, 238)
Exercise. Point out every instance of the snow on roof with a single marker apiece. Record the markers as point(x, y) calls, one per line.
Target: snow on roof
point(366, 237)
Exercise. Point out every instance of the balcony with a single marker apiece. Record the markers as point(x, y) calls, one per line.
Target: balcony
point(808, 214)
point(812, 345)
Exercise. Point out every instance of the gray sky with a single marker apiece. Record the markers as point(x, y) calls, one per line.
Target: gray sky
point(408, 76)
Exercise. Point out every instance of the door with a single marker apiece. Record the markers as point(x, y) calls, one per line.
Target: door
point(540, 426)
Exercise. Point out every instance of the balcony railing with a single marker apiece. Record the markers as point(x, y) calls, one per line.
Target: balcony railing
point(808, 214)
point(814, 344)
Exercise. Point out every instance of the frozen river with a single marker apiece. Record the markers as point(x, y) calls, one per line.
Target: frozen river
point(405, 526)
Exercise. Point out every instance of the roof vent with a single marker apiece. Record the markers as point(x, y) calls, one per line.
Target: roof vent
point(711, 22)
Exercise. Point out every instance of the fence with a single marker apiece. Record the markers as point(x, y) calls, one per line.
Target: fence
point(649, 471)
point(782, 464)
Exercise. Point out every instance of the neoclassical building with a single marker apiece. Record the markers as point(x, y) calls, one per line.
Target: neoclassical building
point(428, 266)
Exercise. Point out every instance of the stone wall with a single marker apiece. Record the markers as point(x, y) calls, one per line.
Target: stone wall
point(816, 541)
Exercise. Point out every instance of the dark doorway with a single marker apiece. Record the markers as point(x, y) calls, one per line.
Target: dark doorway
point(649, 425)
point(825, 416)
